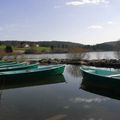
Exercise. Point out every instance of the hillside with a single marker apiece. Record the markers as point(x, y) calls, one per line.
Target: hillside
point(107, 46)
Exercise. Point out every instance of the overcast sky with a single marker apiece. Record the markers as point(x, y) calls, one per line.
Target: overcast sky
point(81, 21)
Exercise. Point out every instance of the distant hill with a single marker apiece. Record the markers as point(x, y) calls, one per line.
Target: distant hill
point(107, 46)
point(57, 44)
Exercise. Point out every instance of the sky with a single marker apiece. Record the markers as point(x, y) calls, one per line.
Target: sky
point(80, 21)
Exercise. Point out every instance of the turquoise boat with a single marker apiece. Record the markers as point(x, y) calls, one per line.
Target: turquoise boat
point(11, 65)
point(7, 63)
point(1, 62)
point(36, 73)
point(18, 67)
point(101, 78)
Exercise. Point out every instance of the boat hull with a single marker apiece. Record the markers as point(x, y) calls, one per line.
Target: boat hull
point(96, 81)
point(32, 74)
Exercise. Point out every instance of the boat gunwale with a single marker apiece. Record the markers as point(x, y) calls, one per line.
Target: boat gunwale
point(15, 67)
point(28, 71)
point(81, 68)
point(11, 65)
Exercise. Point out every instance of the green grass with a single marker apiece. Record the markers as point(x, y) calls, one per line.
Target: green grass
point(43, 49)
point(2, 47)
point(38, 49)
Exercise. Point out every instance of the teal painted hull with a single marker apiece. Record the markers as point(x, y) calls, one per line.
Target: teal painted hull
point(32, 73)
point(100, 78)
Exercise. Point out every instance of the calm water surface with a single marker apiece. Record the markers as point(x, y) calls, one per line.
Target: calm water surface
point(59, 98)
point(90, 55)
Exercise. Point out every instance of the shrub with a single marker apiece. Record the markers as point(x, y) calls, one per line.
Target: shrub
point(31, 51)
point(8, 49)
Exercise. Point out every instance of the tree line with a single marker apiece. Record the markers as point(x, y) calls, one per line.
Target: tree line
point(57, 45)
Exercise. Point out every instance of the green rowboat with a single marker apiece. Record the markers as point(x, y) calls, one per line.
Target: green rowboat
point(11, 65)
point(1, 62)
point(102, 78)
point(19, 67)
point(7, 63)
point(32, 73)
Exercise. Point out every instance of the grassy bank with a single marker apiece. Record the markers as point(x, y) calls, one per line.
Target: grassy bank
point(18, 50)
point(39, 50)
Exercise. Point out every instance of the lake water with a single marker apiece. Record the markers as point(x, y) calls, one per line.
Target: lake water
point(90, 55)
point(59, 98)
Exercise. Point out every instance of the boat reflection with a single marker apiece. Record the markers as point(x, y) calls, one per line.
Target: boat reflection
point(9, 84)
point(100, 89)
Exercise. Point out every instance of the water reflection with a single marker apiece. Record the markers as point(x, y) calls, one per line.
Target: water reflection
point(100, 89)
point(84, 55)
point(43, 101)
point(74, 70)
point(27, 83)
point(117, 54)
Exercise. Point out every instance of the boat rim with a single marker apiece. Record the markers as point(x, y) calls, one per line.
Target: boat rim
point(81, 68)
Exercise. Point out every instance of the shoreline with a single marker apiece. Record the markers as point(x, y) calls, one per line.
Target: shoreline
point(111, 63)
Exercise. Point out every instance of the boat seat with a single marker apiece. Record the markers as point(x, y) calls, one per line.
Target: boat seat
point(114, 75)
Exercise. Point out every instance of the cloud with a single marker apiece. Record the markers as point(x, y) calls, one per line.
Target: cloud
point(75, 3)
point(57, 6)
point(95, 27)
point(83, 2)
point(109, 22)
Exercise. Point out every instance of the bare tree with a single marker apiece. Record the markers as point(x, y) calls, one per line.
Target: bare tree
point(117, 50)
point(78, 53)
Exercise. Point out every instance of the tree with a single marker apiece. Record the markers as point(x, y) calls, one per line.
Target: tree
point(8, 49)
point(52, 47)
point(117, 50)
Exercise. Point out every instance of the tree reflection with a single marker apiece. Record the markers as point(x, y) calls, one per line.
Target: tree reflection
point(117, 54)
point(74, 70)
point(76, 54)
